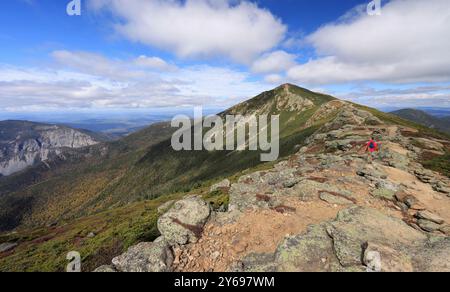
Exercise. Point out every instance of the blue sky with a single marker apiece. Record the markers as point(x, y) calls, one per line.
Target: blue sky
point(137, 54)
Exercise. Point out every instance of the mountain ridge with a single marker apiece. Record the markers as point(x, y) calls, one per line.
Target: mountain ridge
point(317, 144)
point(124, 172)
point(422, 117)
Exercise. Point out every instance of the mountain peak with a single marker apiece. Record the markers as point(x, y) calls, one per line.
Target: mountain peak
point(284, 98)
point(289, 86)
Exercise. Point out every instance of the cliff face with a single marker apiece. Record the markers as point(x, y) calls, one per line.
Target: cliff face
point(23, 144)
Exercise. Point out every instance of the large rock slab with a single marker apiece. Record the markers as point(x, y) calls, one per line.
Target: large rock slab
point(434, 256)
point(184, 222)
point(308, 252)
point(145, 257)
point(359, 239)
point(356, 226)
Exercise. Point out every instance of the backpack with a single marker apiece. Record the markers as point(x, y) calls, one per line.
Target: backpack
point(372, 145)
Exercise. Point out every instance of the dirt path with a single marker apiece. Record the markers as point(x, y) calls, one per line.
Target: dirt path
point(257, 231)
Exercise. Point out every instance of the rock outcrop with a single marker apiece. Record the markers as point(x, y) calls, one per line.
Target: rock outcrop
point(181, 224)
point(359, 239)
point(23, 144)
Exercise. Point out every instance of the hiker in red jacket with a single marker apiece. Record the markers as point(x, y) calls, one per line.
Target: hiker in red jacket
point(371, 147)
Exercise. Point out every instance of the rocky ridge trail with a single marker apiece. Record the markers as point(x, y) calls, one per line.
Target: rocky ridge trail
point(324, 209)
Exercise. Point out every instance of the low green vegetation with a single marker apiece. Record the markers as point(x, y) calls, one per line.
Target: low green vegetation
point(98, 238)
point(218, 199)
point(440, 164)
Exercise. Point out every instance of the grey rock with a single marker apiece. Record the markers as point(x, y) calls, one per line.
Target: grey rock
point(434, 256)
point(445, 229)
point(355, 226)
point(7, 246)
point(381, 258)
point(221, 185)
point(146, 257)
point(304, 253)
point(424, 175)
point(359, 239)
point(331, 199)
point(427, 215)
point(290, 182)
point(384, 193)
point(257, 263)
point(30, 143)
point(428, 225)
point(441, 187)
point(184, 222)
point(105, 269)
point(373, 121)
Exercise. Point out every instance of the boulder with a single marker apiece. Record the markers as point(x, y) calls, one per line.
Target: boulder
point(428, 225)
point(441, 187)
point(7, 246)
point(221, 185)
point(445, 229)
point(381, 258)
point(425, 175)
point(356, 226)
point(373, 121)
point(105, 269)
point(306, 190)
point(371, 173)
point(384, 193)
point(427, 144)
point(146, 257)
point(184, 222)
point(427, 215)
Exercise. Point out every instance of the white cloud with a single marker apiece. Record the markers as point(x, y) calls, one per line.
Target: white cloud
point(238, 30)
point(85, 80)
point(408, 43)
point(96, 64)
point(274, 62)
point(274, 78)
point(154, 63)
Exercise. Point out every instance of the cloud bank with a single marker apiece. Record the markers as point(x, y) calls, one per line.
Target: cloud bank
point(408, 43)
point(87, 80)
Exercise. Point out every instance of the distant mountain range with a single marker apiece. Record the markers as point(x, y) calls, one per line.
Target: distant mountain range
point(114, 124)
point(441, 123)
